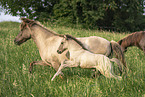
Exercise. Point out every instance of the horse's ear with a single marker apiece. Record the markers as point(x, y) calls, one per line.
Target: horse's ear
point(23, 19)
point(65, 37)
point(26, 20)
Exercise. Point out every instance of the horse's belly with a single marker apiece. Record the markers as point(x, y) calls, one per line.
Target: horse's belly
point(88, 62)
point(87, 65)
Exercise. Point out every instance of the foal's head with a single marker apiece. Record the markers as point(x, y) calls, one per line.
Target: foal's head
point(63, 46)
point(66, 41)
point(25, 33)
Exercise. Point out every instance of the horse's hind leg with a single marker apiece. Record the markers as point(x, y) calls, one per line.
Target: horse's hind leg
point(37, 63)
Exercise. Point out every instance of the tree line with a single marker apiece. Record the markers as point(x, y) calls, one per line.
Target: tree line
point(119, 15)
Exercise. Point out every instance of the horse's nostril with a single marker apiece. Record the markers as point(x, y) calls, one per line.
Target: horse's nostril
point(15, 41)
point(58, 51)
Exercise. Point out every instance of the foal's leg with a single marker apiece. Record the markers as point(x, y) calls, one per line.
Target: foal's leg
point(63, 65)
point(56, 65)
point(58, 72)
point(37, 63)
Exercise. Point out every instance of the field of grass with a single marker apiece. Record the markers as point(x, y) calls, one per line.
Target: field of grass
point(15, 79)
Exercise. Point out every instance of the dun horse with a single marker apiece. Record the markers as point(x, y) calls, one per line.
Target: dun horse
point(48, 41)
point(134, 39)
point(80, 56)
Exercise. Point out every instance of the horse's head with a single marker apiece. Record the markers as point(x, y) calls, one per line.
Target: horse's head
point(63, 46)
point(25, 33)
point(123, 47)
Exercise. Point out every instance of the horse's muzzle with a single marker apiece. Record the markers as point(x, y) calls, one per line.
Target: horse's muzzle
point(17, 42)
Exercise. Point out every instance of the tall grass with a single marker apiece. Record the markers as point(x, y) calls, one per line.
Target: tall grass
point(15, 79)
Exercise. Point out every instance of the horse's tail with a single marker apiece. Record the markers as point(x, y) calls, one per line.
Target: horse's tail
point(120, 65)
point(116, 48)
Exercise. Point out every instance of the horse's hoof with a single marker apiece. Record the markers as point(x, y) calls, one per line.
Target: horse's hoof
point(31, 67)
point(30, 71)
point(61, 77)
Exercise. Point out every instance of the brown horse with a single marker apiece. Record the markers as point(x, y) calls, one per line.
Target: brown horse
point(134, 39)
point(48, 41)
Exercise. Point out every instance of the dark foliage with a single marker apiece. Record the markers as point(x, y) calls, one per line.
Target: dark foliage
point(119, 15)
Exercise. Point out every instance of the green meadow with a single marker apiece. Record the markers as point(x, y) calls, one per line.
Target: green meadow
point(15, 79)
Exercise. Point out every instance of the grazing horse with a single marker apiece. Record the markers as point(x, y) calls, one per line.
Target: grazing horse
point(134, 39)
point(48, 41)
point(82, 57)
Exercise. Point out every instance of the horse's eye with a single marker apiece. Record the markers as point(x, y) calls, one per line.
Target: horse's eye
point(61, 42)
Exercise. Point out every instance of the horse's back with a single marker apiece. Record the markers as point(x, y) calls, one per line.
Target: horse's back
point(96, 44)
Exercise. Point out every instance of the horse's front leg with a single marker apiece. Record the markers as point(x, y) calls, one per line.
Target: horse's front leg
point(143, 50)
point(37, 63)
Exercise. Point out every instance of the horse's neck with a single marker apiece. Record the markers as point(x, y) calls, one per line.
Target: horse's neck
point(128, 43)
point(40, 36)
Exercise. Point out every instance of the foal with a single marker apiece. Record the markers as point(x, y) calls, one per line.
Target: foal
point(80, 56)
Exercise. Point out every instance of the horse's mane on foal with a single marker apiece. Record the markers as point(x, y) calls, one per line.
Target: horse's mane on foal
point(79, 42)
point(132, 38)
point(32, 22)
